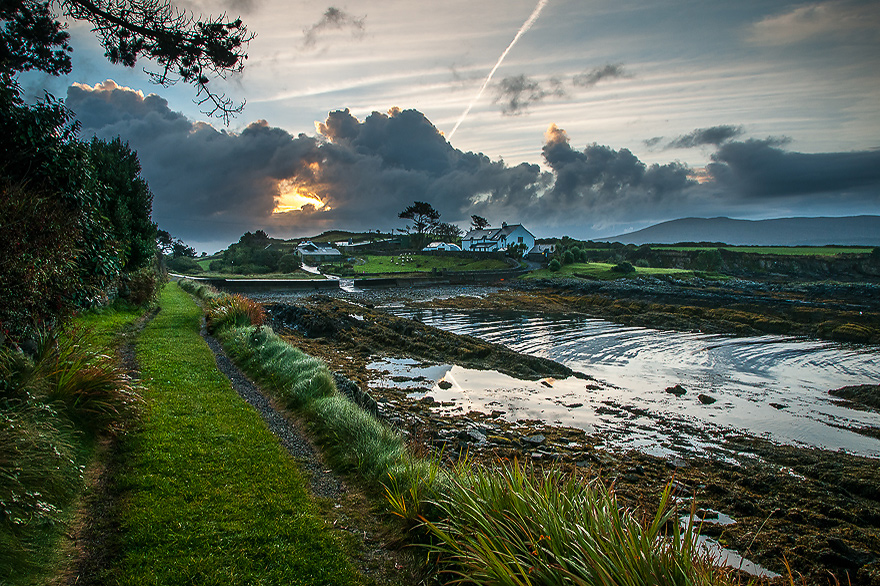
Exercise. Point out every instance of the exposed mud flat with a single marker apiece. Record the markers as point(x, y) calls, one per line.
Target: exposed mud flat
point(818, 509)
point(841, 312)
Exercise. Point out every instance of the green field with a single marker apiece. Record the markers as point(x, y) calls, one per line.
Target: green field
point(602, 271)
point(780, 250)
point(423, 263)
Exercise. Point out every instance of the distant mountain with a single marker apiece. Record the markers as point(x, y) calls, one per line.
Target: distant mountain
point(854, 230)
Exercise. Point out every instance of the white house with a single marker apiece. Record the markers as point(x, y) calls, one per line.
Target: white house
point(438, 246)
point(498, 239)
point(312, 253)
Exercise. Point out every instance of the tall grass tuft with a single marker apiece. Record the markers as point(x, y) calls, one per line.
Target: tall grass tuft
point(233, 311)
point(514, 527)
point(96, 394)
point(199, 289)
point(412, 486)
point(354, 440)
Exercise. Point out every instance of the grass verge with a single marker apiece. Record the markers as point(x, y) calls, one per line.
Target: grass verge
point(54, 407)
point(208, 494)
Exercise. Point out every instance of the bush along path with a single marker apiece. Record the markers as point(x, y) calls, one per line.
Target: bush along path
point(207, 495)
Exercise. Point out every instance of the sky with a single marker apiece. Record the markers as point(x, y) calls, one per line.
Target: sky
point(603, 117)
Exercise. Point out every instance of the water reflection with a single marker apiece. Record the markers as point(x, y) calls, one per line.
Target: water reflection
point(769, 386)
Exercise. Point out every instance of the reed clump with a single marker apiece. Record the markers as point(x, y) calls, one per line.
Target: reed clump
point(514, 525)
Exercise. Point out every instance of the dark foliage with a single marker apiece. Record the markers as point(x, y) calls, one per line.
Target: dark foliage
point(129, 209)
point(624, 268)
point(184, 47)
point(75, 217)
point(38, 254)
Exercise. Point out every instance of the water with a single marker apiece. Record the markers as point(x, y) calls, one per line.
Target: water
point(769, 386)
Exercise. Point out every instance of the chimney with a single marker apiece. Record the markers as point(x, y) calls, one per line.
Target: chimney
point(504, 224)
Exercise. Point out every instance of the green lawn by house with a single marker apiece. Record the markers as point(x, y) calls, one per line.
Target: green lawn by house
point(779, 250)
point(602, 271)
point(423, 263)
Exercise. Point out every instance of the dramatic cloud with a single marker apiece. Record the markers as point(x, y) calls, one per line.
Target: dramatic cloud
point(516, 93)
point(610, 182)
point(760, 169)
point(211, 186)
point(590, 78)
point(333, 19)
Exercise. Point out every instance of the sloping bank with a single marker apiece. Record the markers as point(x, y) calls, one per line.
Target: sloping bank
point(512, 525)
point(208, 494)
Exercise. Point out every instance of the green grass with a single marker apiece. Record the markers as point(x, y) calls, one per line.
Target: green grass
point(210, 497)
point(105, 325)
point(778, 250)
point(602, 271)
point(423, 263)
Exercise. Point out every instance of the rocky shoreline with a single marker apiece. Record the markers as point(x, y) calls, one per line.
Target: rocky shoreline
point(817, 509)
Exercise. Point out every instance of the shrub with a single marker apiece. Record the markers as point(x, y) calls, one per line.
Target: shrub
point(289, 263)
point(233, 311)
point(39, 279)
point(623, 267)
point(554, 265)
point(216, 266)
point(141, 287)
point(567, 257)
point(184, 264)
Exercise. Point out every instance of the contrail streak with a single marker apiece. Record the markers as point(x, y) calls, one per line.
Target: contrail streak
point(526, 26)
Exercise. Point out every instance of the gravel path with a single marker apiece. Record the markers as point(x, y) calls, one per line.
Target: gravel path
point(324, 483)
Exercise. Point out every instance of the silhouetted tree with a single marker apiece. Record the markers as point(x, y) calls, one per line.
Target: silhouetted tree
point(183, 46)
point(479, 222)
point(423, 216)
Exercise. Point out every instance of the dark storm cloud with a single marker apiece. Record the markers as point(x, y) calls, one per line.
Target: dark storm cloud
point(602, 180)
point(204, 181)
point(215, 185)
point(761, 169)
point(211, 184)
point(590, 78)
point(333, 18)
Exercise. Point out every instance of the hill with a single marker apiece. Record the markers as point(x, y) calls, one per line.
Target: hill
point(853, 230)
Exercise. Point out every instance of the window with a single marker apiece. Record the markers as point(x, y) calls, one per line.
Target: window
point(520, 239)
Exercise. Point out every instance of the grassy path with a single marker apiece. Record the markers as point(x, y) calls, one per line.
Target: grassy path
point(208, 495)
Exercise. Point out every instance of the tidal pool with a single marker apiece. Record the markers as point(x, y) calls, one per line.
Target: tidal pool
point(773, 387)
